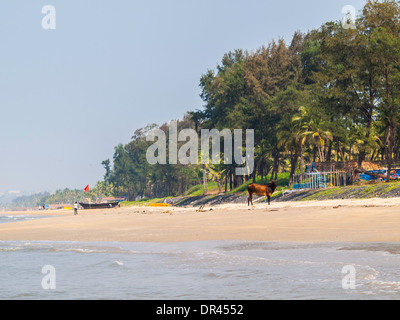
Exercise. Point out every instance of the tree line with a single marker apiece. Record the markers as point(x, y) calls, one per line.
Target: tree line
point(64, 197)
point(331, 94)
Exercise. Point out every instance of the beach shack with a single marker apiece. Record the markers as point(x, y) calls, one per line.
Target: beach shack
point(337, 174)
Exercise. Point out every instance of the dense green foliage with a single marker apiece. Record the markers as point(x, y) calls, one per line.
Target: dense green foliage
point(329, 95)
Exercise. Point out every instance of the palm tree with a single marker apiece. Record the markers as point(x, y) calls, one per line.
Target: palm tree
point(217, 172)
point(313, 129)
point(290, 137)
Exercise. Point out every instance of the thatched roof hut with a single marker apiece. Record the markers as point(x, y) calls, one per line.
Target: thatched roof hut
point(347, 166)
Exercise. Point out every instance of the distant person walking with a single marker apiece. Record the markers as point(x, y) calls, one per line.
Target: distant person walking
point(75, 208)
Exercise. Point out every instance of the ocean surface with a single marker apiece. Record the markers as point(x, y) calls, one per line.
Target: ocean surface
point(198, 270)
point(16, 218)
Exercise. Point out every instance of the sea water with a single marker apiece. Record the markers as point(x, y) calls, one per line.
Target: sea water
point(226, 270)
point(18, 218)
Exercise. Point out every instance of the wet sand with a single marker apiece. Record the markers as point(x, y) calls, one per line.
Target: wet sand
point(372, 220)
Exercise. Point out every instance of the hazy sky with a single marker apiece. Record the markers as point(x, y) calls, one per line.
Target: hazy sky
point(68, 96)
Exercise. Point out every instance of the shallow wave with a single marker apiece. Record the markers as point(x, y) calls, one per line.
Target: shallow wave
point(80, 248)
point(10, 249)
point(201, 270)
point(385, 285)
point(88, 250)
point(117, 264)
point(385, 248)
point(19, 218)
point(269, 246)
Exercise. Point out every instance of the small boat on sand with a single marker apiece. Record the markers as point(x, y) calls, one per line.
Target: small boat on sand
point(99, 205)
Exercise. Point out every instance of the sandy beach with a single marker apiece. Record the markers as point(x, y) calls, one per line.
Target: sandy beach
point(372, 220)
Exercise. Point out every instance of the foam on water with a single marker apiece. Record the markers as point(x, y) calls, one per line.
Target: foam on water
point(18, 218)
point(198, 270)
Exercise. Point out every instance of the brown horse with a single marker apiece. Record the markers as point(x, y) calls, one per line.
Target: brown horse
point(261, 190)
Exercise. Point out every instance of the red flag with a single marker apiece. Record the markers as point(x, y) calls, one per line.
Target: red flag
point(87, 188)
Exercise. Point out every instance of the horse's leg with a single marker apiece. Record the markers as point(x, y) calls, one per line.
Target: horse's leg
point(269, 200)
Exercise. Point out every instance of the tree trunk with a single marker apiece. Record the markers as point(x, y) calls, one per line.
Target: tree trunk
point(315, 153)
point(369, 113)
point(276, 165)
point(262, 172)
point(301, 159)
point(329, 152)
point(293, 164)
point(205, 180)
point(392, 131)
point(391, 138)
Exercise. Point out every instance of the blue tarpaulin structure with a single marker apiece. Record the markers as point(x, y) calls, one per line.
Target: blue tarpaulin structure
point(365, 176)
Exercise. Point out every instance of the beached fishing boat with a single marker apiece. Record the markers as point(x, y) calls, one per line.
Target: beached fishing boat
point(99, 205)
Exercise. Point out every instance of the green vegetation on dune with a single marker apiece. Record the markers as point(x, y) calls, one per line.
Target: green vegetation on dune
point(379, 190)
point(198, 190)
